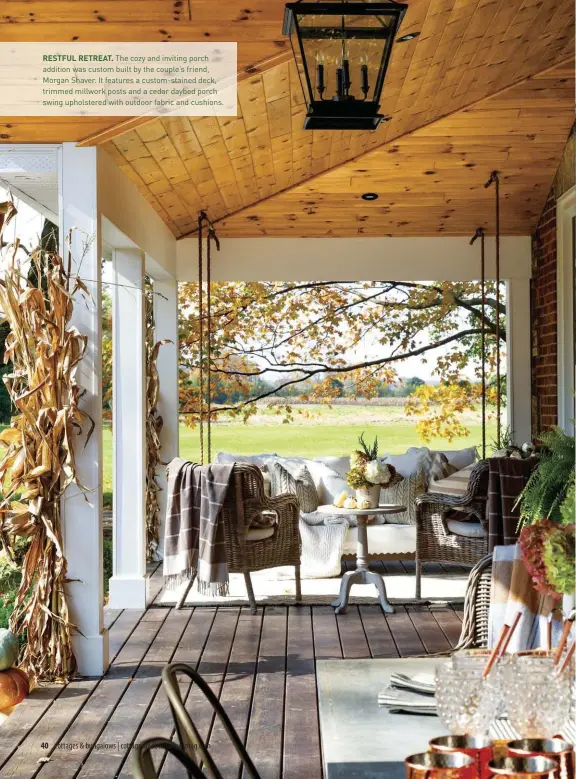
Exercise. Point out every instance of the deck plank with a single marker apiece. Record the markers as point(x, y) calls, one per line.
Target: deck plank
point(237, 691)
point(326, 637)
point(212, 666)
point(448, 621)
point(263, 668)
point(352, 638)
point(377, 632)
point(265, 732)
point(405, 634)
point(120, 731)
point(15, 729)
point(122, 629)
point(43, 739)
point(301, 753)
point(429, 630)
point(158, 718)
point(86, 727)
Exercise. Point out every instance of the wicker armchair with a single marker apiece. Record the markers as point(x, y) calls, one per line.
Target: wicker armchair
point(434, 542)
point(246, 502)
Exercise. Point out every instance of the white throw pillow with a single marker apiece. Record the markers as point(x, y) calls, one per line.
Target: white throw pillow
point(461, 458)
point(339, 464)
point(248, 459)
point(415, 460)
point(329, 484)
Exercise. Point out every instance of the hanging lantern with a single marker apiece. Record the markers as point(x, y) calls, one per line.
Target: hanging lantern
point(342, 50)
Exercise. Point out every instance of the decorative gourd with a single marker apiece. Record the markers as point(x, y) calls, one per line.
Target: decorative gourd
point(8, 649)
point(14, 687)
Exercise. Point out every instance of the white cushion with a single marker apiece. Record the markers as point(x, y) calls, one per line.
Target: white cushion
point(384, 539)
point(259, 533)
point(461, 458)
point(414, 460)
point(467, 529)
point(331, 484)
point(339, 464)
point(248, 459)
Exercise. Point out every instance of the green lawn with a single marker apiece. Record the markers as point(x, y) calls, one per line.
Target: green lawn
point(328, 433)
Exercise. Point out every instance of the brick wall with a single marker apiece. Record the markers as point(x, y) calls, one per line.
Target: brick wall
point(545, 300)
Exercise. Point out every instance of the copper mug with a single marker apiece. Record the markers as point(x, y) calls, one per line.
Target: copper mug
point(561, 752)
point(480, 749)
point(524, 767)
point(436, 765)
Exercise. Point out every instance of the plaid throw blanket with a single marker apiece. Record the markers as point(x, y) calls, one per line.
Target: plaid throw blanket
point(512, 591)
point(194, 543)
point(506, 479)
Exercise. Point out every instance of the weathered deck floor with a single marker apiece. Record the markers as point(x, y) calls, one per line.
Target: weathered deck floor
point(262, 666)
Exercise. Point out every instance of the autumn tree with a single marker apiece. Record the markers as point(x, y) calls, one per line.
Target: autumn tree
point(271, 337)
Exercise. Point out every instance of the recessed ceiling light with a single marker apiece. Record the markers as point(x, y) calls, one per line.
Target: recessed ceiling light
point(408, 37)
point(369, 196)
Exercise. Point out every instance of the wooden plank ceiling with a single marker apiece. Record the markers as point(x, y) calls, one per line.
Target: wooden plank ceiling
point(439, 87)
point(256, 26)
point(432, 180)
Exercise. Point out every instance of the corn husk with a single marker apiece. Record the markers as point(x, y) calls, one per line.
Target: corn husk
point(154, 424)
point(37, 451)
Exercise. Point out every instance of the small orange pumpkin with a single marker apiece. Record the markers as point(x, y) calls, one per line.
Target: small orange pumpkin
point(14, 687)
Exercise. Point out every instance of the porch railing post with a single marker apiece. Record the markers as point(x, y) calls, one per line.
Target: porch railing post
point(82, 513)
point(128, 583)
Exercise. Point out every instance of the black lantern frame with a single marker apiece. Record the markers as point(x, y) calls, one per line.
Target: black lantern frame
point(343, 110)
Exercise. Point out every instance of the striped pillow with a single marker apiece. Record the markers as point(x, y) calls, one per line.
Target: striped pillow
point(456, 484)
point(439, 467)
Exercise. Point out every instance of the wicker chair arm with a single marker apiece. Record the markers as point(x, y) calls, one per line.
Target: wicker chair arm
point(477, 491)
point(440, 502)
point(279, 502)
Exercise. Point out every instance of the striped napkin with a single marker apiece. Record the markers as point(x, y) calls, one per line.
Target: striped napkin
point(409, 694)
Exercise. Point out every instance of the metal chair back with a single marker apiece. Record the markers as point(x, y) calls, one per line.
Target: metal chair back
point(190, 739)
point(143, 765)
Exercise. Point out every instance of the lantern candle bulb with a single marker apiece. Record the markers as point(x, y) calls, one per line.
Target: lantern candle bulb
point(340, 82)
point(320, 79)
point(365, 84)
point(346, 75)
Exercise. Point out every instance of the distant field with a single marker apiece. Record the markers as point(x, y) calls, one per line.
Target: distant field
point(326, 431)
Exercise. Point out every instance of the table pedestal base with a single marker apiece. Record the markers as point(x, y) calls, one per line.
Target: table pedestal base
point(361, 576)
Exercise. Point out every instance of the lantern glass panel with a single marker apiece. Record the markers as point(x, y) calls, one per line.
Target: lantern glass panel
point(350, 51)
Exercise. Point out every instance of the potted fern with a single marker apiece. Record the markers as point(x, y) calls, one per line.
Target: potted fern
point(547, 517)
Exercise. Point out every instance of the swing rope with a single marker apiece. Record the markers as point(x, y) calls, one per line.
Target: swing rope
point(494, 179)
point(205, 338)
point(480, 234)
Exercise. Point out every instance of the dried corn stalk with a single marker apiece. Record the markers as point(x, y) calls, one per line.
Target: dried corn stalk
point(154, 424)
point(38, 461)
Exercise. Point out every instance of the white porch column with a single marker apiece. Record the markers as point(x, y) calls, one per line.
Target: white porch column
point(82, 519)
point(518, 358)
point(166, 314)
point(128, 583)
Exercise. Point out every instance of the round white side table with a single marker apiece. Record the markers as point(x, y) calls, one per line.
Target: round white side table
point(362, 574)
